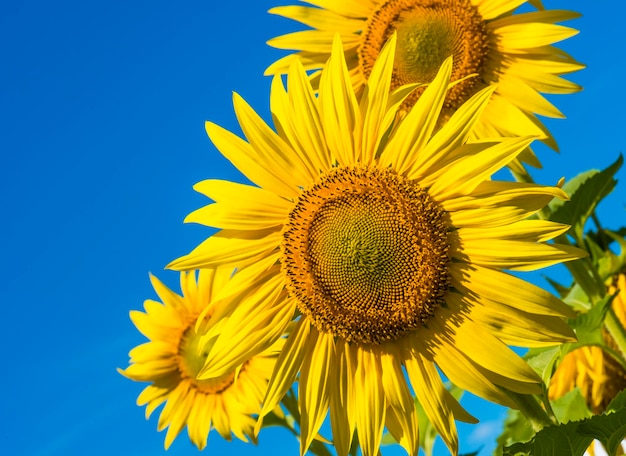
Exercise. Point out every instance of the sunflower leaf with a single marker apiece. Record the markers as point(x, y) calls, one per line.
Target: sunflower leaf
point(588, 326)
point(542, 361)
point(610, 263)
point(618, 402)
point(586, 190)
point(574, 437)
point(562, 290)
point(571, 407)
point(517, 428)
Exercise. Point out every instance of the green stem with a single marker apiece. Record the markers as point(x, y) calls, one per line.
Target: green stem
point(617, 331)
point(596, 221)
point(585, 274)
point(532, 409)
point(616, 355)
point(582, 274)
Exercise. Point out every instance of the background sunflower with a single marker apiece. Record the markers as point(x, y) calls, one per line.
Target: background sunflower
point(171, 359)
point(500, 43)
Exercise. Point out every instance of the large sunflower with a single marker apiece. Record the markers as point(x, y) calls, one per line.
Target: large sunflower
point(485, 37)
point(596, 373)
point(385, 242)
point(173, 357)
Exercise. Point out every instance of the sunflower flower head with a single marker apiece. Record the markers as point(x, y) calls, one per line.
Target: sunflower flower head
point(598, 376)
point(175, 354)
point(381, 242)
point(490, 43)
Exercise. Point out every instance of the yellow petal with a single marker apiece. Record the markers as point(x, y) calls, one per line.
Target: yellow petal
point(451, 137)
point(394, 383)
point(492, 194)
point(314, 385)
point(271, 150)
point(465, 174)
point(464, 374)
point(258, 321)
point(341, 416)
point(404, 428)
point(517, 37)
point(287, 366)
point(490, 9)
point(498, 286)
point(484, 349)
point(223, 191)
point(304, 119)
point(430, 392)
point(318, 18)
point(416, 129)
point(221, 249)
point(511, 325)
point(339, 108)
point(370, 402)
point(243, 156)
point(524, 230)
point(515, 255)
point(312, 41)
point(375, 100)
point(360, 9)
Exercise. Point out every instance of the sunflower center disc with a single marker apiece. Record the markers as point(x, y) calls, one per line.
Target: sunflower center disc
point(429, 31)
point(191, 362)
point(365, 252)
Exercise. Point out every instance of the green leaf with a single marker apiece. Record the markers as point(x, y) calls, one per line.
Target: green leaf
point(618, 402)
point(562, 290)
point(517, 428)
point(577, 299)
point(571, 407)
point(586, 190)
point(588, 326)
point(542, 360)
point(609, 263)
point(552, 440)
point(574, 437)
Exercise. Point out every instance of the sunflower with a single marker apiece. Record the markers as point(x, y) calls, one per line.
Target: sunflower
point(490, 44)
point(384, 243)
point(598, 376)
point(173, 357)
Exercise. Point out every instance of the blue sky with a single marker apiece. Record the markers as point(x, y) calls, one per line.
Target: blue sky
point(102, 110)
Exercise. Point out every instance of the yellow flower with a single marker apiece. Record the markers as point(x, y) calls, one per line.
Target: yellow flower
point(173, 357)
point(385, 242)
point(598, 376)
point(490, 46)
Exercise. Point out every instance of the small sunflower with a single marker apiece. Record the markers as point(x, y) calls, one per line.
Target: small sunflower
point(490, 44)
point(172, 359)
point(598, 376)
point(384, 242)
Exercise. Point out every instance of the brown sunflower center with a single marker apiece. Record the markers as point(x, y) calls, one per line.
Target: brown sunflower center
point(365, 252)
point(191, 361)
point(428, 32)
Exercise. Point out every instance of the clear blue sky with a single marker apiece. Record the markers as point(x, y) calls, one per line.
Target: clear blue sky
point(102, 110)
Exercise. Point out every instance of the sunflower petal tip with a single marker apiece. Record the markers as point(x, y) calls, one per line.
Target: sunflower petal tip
point(337, 48)
point(176, 265)
point(258, 426)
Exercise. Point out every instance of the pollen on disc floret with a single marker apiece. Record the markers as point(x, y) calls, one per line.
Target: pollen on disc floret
point(365, 252)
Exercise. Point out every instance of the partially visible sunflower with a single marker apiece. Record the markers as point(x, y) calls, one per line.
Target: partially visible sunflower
point(385, 241)
point(513, 52)
point(598, 376)
point(172, 358)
